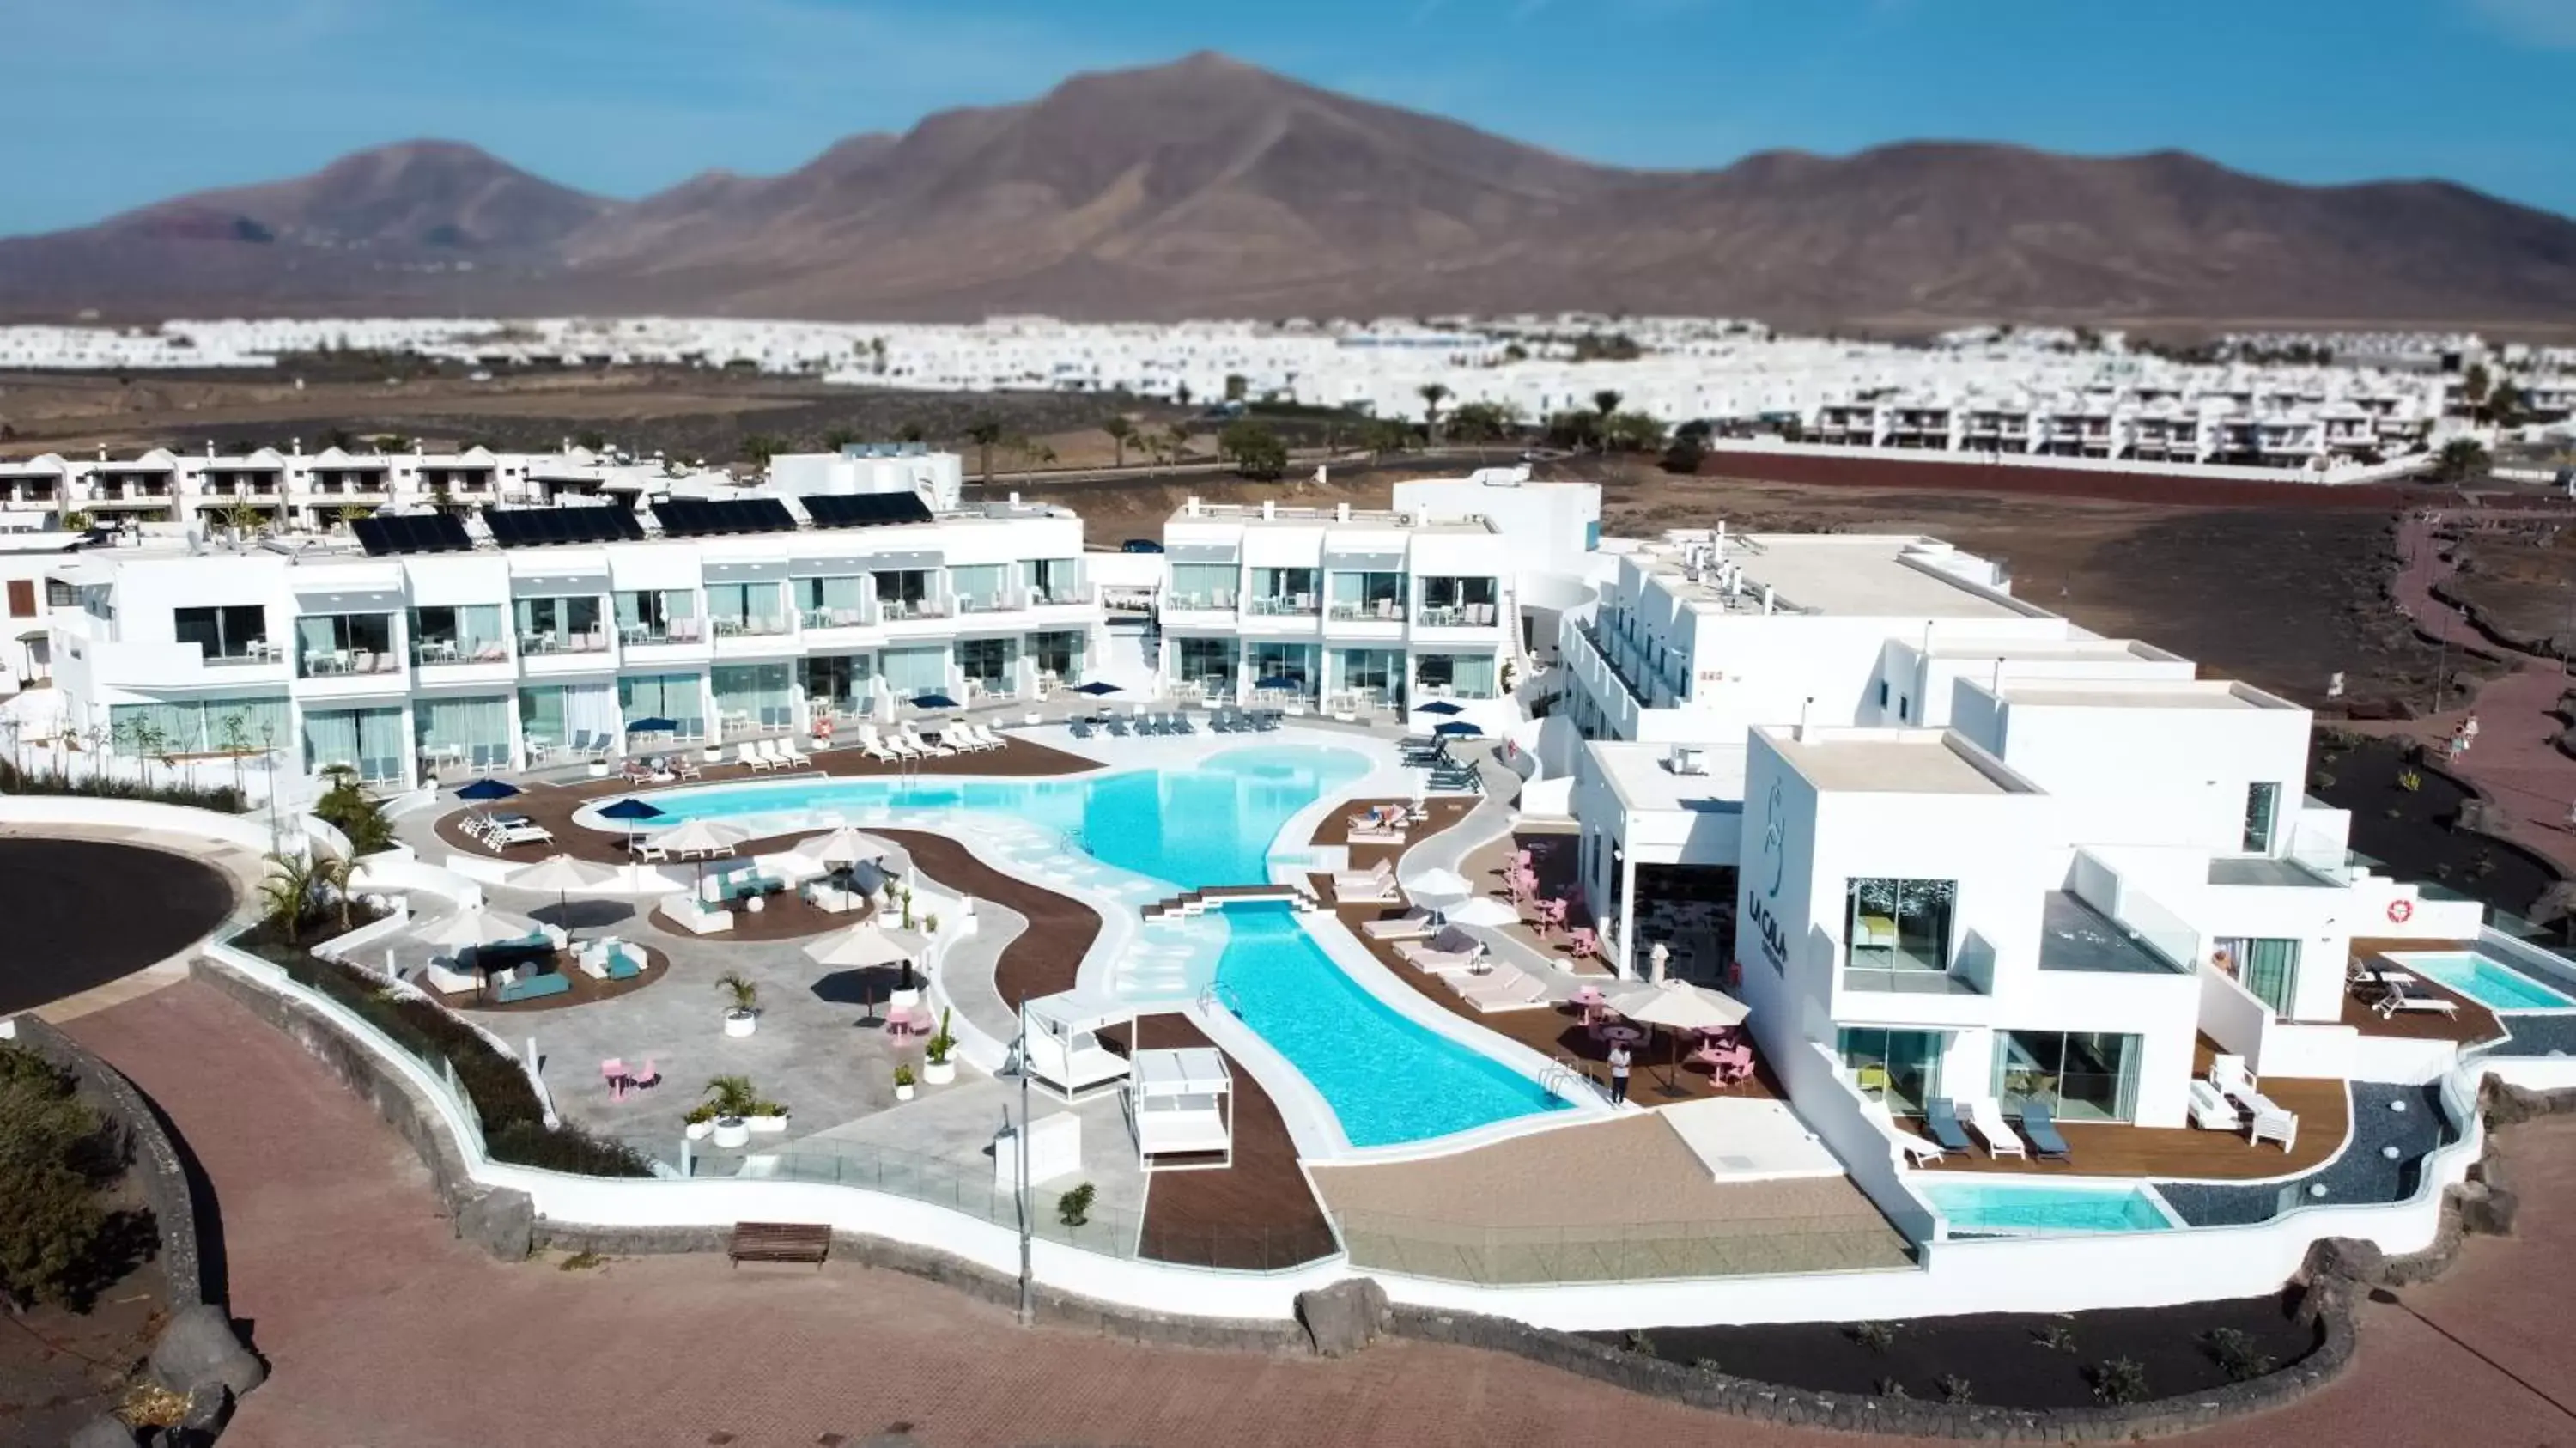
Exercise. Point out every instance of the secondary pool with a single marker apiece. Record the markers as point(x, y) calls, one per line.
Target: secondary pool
point(1387, 1079)
point(2491, 983)
point(2023, 1209)
point(1208, 823)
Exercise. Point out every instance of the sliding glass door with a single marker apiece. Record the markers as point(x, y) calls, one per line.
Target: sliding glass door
point(2078, 1075)
point(1899, 1068)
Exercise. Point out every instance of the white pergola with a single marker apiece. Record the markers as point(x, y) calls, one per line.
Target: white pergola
point(1181, 1104)
point(1060, 1043)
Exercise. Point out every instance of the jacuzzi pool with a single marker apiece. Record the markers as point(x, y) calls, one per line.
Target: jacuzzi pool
point(2007, 1207)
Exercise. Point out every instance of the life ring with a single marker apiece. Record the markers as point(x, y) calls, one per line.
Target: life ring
point(2401, 911)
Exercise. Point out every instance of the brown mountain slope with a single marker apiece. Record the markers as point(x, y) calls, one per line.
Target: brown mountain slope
point(1210, 187)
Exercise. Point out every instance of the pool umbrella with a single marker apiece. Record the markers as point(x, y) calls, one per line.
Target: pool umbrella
point(860, 946)
point(1483, 910)
point(482, 790)
point(653, 725)
point(1439, 890)
point(1441, 706)
point(844, 846)
point(1095, 688)
point(1677, 1006)
point(482, 925)
point(562, 874)
point(631, 811)
point(1279, 681)
point(1457, 729)
point(933, 701)
point(694, 837)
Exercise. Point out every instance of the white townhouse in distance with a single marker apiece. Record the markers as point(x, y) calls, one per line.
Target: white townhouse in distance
point(1972, 852)
point(431, 644)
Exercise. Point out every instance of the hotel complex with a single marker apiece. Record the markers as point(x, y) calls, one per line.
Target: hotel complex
point(1974, 882)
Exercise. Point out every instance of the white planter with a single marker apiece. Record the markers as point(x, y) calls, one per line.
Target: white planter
point(732, 1131)
point(766, 1125)
point(712, 754)
point(741, 1023)
point(903, 1093)
point(697, 1130)
point(598, 770)
point(938, 1073)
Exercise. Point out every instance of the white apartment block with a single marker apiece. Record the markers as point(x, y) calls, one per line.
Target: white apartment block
point(1961, 848)
point(530, 633)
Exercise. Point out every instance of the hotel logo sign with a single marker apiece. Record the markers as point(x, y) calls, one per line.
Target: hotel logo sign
point(1764, 915)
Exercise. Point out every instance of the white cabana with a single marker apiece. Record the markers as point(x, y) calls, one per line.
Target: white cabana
point(1181, 1106)
point(1061, 1041)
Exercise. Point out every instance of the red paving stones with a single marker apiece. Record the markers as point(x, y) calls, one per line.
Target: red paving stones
point(385, 1331)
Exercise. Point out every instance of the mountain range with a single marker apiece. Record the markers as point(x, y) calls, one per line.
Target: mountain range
point(1207, 187)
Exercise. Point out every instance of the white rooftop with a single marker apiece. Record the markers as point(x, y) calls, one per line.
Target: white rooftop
point(1888, 761)
point(1643, 777)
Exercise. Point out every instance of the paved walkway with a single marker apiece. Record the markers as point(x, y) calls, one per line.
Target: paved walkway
point(384, 1330)
point(2513, 760)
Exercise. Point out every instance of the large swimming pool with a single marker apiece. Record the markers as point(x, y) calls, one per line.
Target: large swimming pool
point(1386, 1079)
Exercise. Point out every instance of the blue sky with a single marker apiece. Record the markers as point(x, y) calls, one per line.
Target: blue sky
point(119, 102)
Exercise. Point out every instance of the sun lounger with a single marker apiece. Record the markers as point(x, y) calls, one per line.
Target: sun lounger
point(1413, 924)
point(2041, 1127)
point(1941, 1118)
point(1987, 1119)
point(755, 757)
point(785, 752)
point(2211, 1111)
point(2398, 998)
point(1431, 960)
point(1372, 886)
point(445, 980)
point(1504, 988)
point(2271, 1122)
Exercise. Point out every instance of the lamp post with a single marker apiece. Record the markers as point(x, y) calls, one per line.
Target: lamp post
point(1028, 1315)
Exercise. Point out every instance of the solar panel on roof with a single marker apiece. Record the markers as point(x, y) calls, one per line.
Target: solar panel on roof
point(537, 527)
point(865, 510)
point(435, 533)
point(702, 518)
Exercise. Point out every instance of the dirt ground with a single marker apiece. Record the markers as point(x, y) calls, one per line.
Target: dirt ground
point(2517, 579)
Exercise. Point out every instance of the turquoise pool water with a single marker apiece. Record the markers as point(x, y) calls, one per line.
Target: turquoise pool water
point(1209, 823)
point(1387, 1079)
point(2022, 1208)
point(2491, 983)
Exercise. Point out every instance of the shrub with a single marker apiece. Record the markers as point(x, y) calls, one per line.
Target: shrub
point(1876, 1336)
point(2236, 1353)
point(346, 807)
point(1639, 1343)
point(1954, 1389)
point(1891, 1388)
point(56, 1152)
point(2409, 781)
point(1074, 1207)
point(514, 1127)
point(2119, 1381)
point(2057, 1337)
point(222, 799)
point(1710, 1366)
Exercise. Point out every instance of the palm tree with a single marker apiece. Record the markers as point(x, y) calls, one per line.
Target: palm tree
point(1176, 439)
point(983, 432)
point(1121, 431)
point(1605, 402)
point(740, 988)
point(331, 877)
point(1432, 394)
point(287, 890)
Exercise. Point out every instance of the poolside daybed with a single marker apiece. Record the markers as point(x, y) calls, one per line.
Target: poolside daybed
point(1060, 1035)
point(1181, 1106)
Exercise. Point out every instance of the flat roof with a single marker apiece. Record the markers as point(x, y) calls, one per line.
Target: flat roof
point(1641, 775)
point(2075, 936)
point(1887, 761)
point(2140, 694)
point(1848, 575)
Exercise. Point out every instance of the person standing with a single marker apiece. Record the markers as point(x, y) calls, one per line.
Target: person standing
point(1618, 1072)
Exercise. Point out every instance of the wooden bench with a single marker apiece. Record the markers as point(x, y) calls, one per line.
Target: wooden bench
point(779, 1242)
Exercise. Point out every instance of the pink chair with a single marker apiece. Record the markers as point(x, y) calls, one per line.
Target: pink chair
point(613, 1071)
point(1551, 916)
point(649, 1076)
point(1581, 942)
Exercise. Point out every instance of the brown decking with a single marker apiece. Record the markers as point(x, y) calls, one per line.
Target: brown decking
point(1554, 1031)
point(1553, 857)
point(1335, 828)
point(552, 805)
point(1258, 1214)
point(2188, 1153)
point(2473, 1022)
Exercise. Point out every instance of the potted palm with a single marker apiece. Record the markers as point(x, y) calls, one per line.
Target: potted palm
point(743, 1016)
point(903, 1083)
point(732, 1100)
point(936, 1068)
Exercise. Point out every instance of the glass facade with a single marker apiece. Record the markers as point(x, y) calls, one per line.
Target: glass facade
point(1283, 591)
point(1371, 676)
point(1450, 602)
point(561, 625)
point(914, 671)
point(746, 608)
point(978, 587)
point(198, 726)
point(1207, 663)
point(837, 602)
point(1898, 1067)
point(1058, 656)
point(1052, 580)
point(838, 683)
point(990, 665)
point(1455, 676)
point(752, 696)
point(2078, 1075)
point(473, 732)
point(471, 634)
point(1203, 587)
point(560, 714)
point(369, 741)
point(658, 616)
point(1366, 595)
point(1896, 928)
point(1286, 668)
point(236, 632)
point(680, 698)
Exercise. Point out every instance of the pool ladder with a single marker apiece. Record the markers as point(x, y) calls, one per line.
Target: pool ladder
point(1560, 1076)
point(1218, 993)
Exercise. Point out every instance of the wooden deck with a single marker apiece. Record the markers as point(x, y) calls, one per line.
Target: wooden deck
point(2472, 1024)
point(1335, 827)
point(2187, 1153)
point(1556, 1032)
point(1259, 1214)
point(552, 804)
point(1048, 955)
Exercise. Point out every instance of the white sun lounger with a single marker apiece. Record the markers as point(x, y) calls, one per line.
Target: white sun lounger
point(1504, 988)
point(1414, 924)
point(1375, 885)
point(1987, 1120)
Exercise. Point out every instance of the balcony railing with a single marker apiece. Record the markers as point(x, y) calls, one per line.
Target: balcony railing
point(749, 626)
point(1292, 606)
point(896, 610)
point(1378, 610)
point(547, 641)
point(447, 653)
point(1462, 615)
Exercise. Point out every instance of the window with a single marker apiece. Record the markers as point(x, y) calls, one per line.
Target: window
point(1899, 1068)
point(345, 643)
point(2268, 969)
point(977, 587)
point(753, 696)
point(1897, 927)
point(22, 598)
point(837, 682)
point(1283, 591)
point(988, 664)
point(1464, 676)
point(1904, 708)
point(1202, 587)
point(833, 602)
point(196, 726)
point(1366, 595)
point(2078, 1075)
point(680, 698)
point(911, 672)
point(1059, 654)
point(473, 634)
point(1052, 580)
point(2262, 805)
point(1209, 663)
point(745, 608)
point(369, 741)
point(659, 616)
point(236, 632)
point(1882, 693)
point(560, 625)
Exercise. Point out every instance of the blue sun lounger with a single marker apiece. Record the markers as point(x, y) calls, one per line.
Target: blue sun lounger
point(2038, 1123)
point(1942, 1120)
